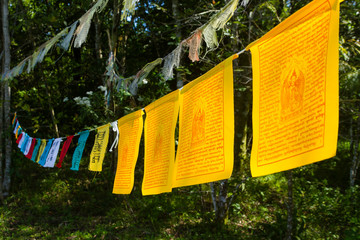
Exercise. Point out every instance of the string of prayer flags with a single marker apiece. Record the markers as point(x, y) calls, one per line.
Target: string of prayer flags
point(207, 31)
point(98, 151)
point(64, 150)
point(54, 150)
point(159, 141)
point(206, 128)
point(295, 88)
point(130, 130)
point(45, 152)
point(36, 149)
point(80, 34)
point(41, 150)
point(79, 150)
point(24, 141)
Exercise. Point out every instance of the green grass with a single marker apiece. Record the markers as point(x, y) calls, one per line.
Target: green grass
point(62, 204)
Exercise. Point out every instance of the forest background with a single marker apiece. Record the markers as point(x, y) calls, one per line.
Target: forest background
point(64, 94)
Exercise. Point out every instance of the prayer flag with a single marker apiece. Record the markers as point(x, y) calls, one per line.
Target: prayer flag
point(28, 146)
point(98, 151)
point(54, 150)
point(159, 140)
point(33, 143)
point(194, 43)
point(19, 139)
point(79, 150)
point(64, 150)
point(18, 131)
point(206, 128)
point(36, 149)
point(41, 150)
point(16, 126)
point(22, 139)
point(24, 143)
point(295, 87)
point(130, 130)
point(45, 152)
point(14, 119)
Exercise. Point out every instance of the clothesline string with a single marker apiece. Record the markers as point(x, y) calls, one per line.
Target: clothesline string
point(241, 52)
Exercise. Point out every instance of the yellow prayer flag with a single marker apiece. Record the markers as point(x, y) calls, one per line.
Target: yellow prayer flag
point(160, 124)
point(206, 128)
point(16, 133)
point(14, 118)
point(98, 151)
point(41, 149)
point(130, 130)
point(295, 90)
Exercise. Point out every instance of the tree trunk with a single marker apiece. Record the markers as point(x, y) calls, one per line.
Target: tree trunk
point(220, 201)
point(354, 135)
point(175, 10)
point(351, 150)
point(1, 142)
point(213, 196)
point(115, 25)
point(51, 108)
point(7, 96)
point(290, 207)
point(113, 48)
point(251, 14)
point(222, 206)
point(242, 114)
point(98, 38)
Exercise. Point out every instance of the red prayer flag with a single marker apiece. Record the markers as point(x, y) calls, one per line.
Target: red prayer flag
point(19, 138)
point(64, 150)
point(33, 143)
